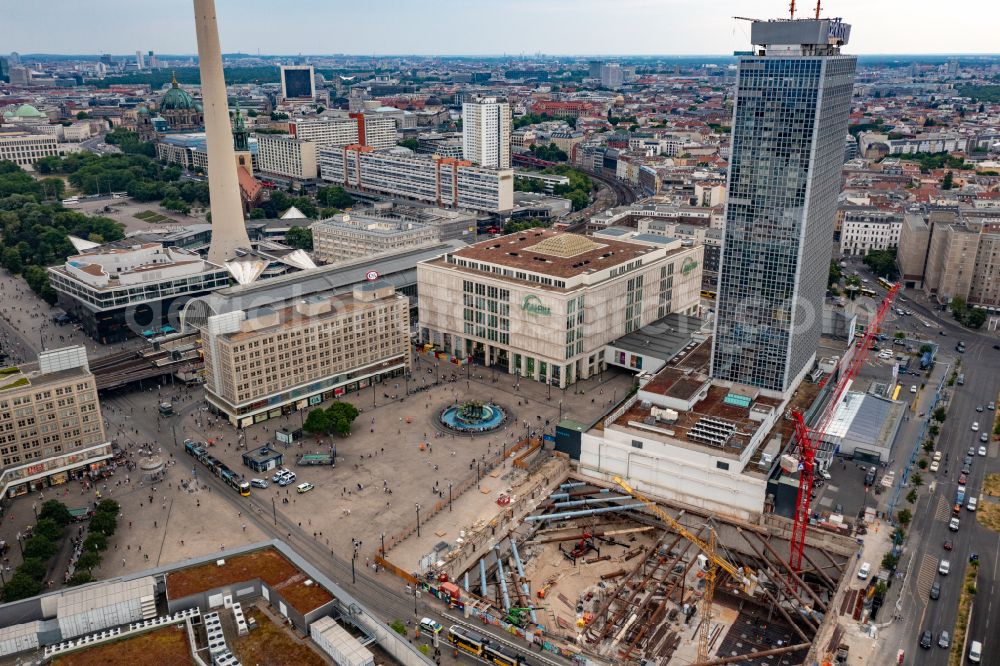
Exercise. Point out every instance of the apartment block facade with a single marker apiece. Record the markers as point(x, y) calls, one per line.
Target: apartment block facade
point(431, 179)
point(286, 156)
point(270, 361)
point(486, 132)
point(51, 428)
point(867, 230)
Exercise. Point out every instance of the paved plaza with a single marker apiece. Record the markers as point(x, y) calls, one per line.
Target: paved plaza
point(382, 471)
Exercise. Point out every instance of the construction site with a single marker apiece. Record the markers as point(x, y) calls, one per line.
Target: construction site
point(626, 567)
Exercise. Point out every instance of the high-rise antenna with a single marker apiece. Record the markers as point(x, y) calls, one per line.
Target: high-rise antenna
point(819, 8)
point(791, 9)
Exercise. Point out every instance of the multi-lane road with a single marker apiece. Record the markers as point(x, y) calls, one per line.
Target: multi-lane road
point(924, 548)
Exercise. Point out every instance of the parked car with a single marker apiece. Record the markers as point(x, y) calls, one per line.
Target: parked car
point(430, 625)
point(870, 476)
point(259, 483)
point(935, 466)
point(937, 456)
point(948, 544)
point(972, 504)
point(304, 488)
point(944, 567)
point(962, 478)
point(865, 569)
point(953, 524)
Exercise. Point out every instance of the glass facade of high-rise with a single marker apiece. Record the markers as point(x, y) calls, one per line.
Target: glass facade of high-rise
point(784, 178)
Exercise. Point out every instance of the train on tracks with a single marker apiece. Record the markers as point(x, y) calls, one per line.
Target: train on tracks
point(217, 467)
point(492, 652)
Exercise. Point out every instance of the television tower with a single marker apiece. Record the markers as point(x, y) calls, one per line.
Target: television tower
point(229, 231)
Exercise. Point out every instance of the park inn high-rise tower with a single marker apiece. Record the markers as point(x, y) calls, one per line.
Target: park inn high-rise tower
point(792, 104)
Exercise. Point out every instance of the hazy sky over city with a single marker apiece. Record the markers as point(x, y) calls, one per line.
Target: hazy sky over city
point(513, 27)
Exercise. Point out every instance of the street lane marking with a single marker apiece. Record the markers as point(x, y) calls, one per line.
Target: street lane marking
point(942, 512)
point(925, 576)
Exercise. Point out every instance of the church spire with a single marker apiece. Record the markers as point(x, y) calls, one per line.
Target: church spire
point(173, 79)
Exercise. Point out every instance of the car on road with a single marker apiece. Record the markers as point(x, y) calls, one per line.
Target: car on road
point(982, 449)
point(953, 524)
point(972, 504)
point(913, 388)
point(968, 460)
point(870, 476)
point(937, 456)
point(975, 426)
point(944, 641)
point(935, 466)
point(304, 488)
point(962, 478)
point(944, 567)
point(936, 590)
point(979, 408)
point(975, 652)
point(926, 639)
point(991, 406)
point(966, 469)
point(983, 437)
point(948, 544)
point(971, 451)
point(430, 625)
point(865, 569)
point(826, 475)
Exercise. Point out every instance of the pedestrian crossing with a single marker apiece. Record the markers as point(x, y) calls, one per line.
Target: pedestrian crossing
point(943, 511)
point(925, 575)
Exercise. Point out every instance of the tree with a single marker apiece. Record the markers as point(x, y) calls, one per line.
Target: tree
point(299, 237)
point(108, 506)
point(940, 414)
point(900, 335)
point(40, 547)
point(958, 307)
point(342, 415)
point(57, 511)
point(975, 318)
point(412, 144)
point(317, 422)
point(276, 115)
point(889, 561)
point(82, 115)
point(88, 560)
point(948, 181)
point(96, 542)
point(104, 523)
point(81, 577)
point(49, 529)
point(917, 480)
point(21, 586)
point(882, 262)
point(12, 260)
point(334, 197)
point(34, 567)
point(904, 516)
point(835, 275)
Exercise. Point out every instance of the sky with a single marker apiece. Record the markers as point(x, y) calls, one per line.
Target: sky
point(478, 27)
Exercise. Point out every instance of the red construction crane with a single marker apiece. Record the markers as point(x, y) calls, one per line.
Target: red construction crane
point(807, 438)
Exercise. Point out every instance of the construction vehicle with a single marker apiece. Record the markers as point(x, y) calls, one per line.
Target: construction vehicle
point(518, 615)
point(583, 546)
point(544, 589)
point(746, 578)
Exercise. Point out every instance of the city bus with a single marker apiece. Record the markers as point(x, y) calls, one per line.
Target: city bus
point(865, 291)
point(886, 284)
point(710, 295)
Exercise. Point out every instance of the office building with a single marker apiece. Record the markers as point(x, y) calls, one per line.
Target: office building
point(229, 231)
point(140, 62)
point(190, 150)
point(325, 131)
point(594, 69)
point(298, 82)
point(486, 132)
point(792, 105)
point(544, 305)
point(51, 423)
point(868, 229)
point(285, 156)
point(268, 361)
point(612, 76)
point(24, 146)
point(357, 234)
point(434, 180)
point(119, 290)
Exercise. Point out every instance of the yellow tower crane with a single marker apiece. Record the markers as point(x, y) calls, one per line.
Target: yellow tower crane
point(746, 578)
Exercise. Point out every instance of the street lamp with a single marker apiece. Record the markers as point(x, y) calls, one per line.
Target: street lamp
point(418, 520)
point(449, 496)
point(356, 543)
point(560, 410)
point(383, 544)
point(477, 473)
point(274, 510)
point(373, 392)
point(34, 507)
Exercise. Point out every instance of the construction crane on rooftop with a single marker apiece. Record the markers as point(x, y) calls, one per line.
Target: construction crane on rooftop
point(808, 438)
point(715, 562)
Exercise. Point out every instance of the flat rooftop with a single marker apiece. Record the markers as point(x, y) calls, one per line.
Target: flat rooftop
point(663, 338)
point(267, 564)
point(554, 253)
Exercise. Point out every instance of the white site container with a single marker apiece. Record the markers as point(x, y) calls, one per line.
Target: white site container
point(343, 648)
